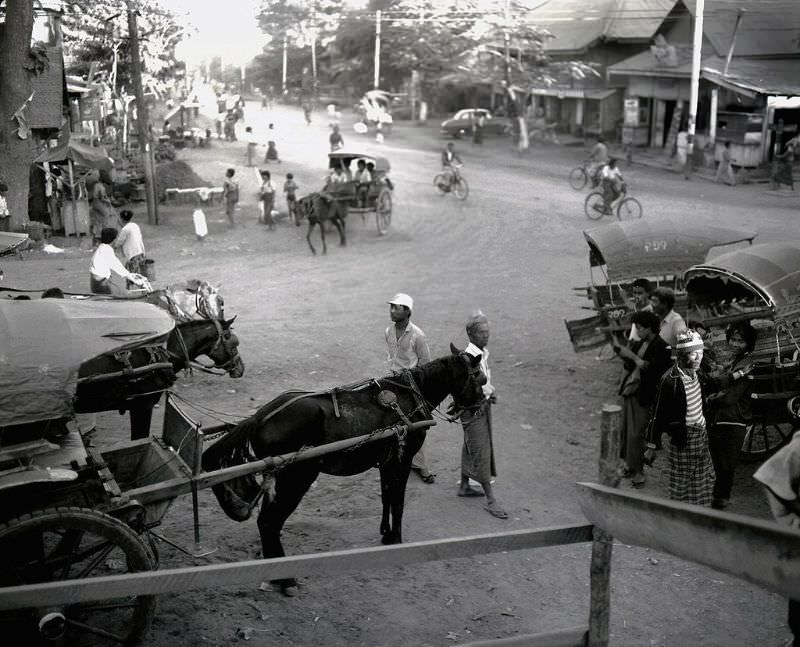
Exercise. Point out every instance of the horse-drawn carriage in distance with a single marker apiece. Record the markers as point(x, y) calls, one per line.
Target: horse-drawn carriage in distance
point(761, 285)
point(363, 198)
point(621, 252)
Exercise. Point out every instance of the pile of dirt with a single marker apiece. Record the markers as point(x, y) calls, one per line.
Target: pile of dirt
point(177, 175)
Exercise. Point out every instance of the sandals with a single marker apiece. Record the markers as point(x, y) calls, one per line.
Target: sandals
point(469, 492)
point(428, 478)
point(496, 511)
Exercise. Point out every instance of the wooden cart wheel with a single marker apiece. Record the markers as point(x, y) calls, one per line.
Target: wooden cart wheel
point(71, 543)
point(383, 211)
point(764, 439)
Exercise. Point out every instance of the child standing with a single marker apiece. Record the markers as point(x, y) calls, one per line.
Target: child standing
point(290, 189)
point(230, 194)
point(267, 193)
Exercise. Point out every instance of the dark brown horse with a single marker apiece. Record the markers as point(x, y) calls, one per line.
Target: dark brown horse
point(298, 419)
point(107, 382)
point(320, 209)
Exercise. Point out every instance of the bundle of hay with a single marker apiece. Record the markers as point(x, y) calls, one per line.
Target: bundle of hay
point(176, 175)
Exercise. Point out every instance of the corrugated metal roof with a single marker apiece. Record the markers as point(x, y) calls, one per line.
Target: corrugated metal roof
point(773, 77)
point(645, 64)
point(769, 29)
point(577, 24)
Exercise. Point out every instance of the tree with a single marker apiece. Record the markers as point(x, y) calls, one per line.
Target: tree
point(16, 68)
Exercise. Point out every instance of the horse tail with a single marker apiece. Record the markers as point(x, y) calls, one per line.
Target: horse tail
point(238, 496)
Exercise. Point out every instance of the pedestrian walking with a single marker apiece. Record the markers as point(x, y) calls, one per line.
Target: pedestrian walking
point(780, 475)
point(679, 414)
point(100, 209)
point(335, 139)
point(230, 194)
point(307, 112)
point(290, 189)
point(251, 143)
point(267, 195)
point(478, 125)
point(725, 168)
point(477, 453)
point(130, 242)
point(407, 348)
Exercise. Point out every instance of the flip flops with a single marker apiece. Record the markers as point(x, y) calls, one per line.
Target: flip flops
point(469, 492)
point(428, 478)
point(496, 511)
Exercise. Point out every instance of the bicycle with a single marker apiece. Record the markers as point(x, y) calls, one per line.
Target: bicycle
point(579, 176)
point(453, 181)
point(627, 207)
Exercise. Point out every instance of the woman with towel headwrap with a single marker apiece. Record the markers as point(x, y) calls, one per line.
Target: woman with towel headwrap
point(477, 454)
point(679, 414)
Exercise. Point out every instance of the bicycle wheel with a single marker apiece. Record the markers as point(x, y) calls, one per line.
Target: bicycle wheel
point(461, 188)
point(440, 182)
point(629, 209)
point(594, 206)
point(578, 178)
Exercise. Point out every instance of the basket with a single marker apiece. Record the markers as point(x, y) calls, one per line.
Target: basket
point(149, 269)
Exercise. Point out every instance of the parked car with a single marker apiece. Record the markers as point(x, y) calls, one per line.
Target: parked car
point(461, 123)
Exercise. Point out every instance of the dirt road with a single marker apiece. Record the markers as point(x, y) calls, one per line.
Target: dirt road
point(513, 249)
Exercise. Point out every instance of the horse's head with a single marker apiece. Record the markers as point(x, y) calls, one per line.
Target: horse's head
point(470, 377)
point(225, 351)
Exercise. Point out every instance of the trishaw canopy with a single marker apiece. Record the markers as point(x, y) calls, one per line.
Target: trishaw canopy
point(381, 163)
point(43, 343)
point(768, 274)
point(655, 248)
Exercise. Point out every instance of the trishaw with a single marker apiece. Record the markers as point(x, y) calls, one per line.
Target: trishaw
point(758, 284)
point(69, 511)
point(621, 252)
point(375, 197)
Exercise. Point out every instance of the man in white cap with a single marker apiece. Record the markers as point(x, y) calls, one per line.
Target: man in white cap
point(407, 347)
point(679, 414)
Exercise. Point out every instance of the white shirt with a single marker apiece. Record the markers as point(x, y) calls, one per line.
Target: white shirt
point(472, 349)
point(105, 261)
point(130, 240)
point(3, 207)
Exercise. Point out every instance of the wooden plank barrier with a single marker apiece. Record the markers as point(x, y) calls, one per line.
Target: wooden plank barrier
point(758, 551)
point(314, 565)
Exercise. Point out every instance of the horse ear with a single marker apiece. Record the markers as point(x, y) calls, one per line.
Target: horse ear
point(229, 322)
point(453, 349)
point(474, 360)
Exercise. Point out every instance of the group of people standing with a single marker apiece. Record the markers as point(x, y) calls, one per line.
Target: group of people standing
point(407, 347)
point(679, 384)
point(107, 274)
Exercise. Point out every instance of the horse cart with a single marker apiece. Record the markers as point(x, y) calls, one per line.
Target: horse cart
point(758, 284)
point(68, 511)
point(373, 197)
point(619, 253)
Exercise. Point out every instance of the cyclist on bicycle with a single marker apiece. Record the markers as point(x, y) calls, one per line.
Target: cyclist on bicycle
point(613, 184)
point(598, 158)
point(449, 157)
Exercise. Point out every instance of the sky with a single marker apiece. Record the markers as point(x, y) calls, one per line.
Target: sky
point(224, 27)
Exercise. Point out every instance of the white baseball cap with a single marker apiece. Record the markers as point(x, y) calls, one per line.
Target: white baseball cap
point(401, 299)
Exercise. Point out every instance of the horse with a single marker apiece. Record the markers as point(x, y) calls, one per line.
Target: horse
point(299, 419)
point(107, 382)
point(320, 208)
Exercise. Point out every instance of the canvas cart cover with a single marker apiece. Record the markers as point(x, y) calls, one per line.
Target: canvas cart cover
point(769, 271)
point(658, 247)
point(80, 154)
point(43, 343)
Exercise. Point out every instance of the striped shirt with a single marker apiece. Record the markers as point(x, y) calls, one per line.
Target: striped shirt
point(694, 400)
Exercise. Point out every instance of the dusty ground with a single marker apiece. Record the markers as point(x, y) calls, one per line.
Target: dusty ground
point(514, 249)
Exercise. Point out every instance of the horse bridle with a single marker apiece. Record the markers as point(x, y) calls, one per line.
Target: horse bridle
point(224, 341)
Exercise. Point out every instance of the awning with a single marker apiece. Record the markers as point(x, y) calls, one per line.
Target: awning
point(574, 93)
point(80, 154)
point(773, 77)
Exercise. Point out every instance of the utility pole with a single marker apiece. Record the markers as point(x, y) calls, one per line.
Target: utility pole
point(697, 46)
point(145, 149)
point(377, 78)
point(712, 128)
point(507, 42)
point(285, 47)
